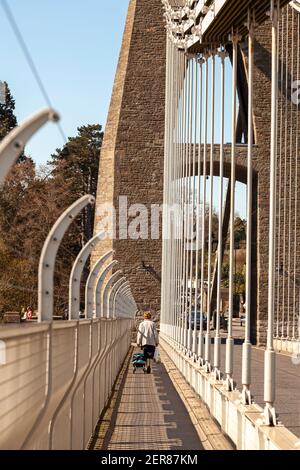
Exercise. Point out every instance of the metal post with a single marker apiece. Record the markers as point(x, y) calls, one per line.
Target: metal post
point(14, 143)
point(76, 273)
point(183, 192)
point(217, 344)
point(211, 202)
point(69, 389)
point(270, 356)
point(193, 248)
point(247, 347)
point(48, 257)
point(191, 194)
point(201, 334)
point(187, 336)
point(198, 135)
point(230, 341)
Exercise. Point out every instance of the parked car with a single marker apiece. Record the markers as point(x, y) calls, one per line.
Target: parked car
point(198, 321)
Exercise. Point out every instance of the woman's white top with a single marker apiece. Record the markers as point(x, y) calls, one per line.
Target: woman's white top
point(147, 334)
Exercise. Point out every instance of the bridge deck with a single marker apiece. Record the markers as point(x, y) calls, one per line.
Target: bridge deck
point(160, 411)
point(287, 384)
point(287, 379)
point(147, 413)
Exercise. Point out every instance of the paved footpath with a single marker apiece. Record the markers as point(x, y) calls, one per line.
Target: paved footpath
point(147, 412)
point(287, 384)
point(287, 403)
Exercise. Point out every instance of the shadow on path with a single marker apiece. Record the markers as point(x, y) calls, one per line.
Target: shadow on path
point(146, 413)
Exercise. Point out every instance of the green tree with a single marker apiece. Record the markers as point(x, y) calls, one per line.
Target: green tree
point(77, 165)
point(30, 203)
point(240, 230)
point(17, 262)
point(8, 119)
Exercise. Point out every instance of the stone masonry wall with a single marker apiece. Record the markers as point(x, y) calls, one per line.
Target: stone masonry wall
point(133, 150)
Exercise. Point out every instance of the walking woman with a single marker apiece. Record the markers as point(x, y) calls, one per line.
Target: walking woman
point(147, 339)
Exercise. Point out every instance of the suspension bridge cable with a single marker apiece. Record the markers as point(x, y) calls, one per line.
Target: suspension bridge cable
point(280, 188)
point(191, 210)
point(217, 341)
point(173, 237)
point(178, 192)
point(198, 204)
point(13, 23)
point(194, 204)
point(230, 340)
point(285, 215)
point(296, 191)
point(186, 232)
point(210, 214)
point(182, 195)
point(201, 344)
point(290, 180)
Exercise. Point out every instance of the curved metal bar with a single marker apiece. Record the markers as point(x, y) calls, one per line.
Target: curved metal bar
point(14, 143)
point(295, 4)
point(48, 257)
point(107, 289)
point(113, 293)
point(125, 298)
point(122, 295)
point(114, 300)
point(89, 288)
point(76, 273)
point(97, 292)
point(130, 304)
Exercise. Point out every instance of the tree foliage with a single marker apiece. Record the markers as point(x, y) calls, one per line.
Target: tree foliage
point(8, 119)
point(31, 200)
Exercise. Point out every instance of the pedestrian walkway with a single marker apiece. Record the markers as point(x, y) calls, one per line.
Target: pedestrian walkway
point(287, 379)
point(287, 384)
point(147, 412)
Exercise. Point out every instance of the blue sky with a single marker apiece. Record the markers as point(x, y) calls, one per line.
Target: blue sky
point(75, 45)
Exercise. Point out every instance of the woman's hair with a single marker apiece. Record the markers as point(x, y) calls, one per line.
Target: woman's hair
point(147, 315)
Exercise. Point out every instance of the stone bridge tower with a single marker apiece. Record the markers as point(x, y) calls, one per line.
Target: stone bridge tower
point(133, 149)
point(132, 158)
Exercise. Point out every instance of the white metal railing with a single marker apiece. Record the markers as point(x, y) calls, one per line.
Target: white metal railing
point(56, 381)
point(287, 276)
point(56, 378)
point(189, 120)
